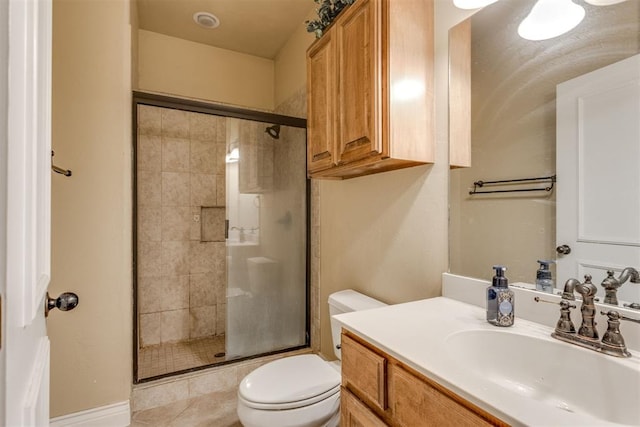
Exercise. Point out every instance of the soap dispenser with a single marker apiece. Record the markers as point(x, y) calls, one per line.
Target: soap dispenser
point(544, 280)
point(500, 299)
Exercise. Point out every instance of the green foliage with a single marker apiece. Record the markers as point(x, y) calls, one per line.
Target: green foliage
point(327, 12)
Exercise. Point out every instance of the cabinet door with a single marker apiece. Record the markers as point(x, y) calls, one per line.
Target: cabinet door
point(364, 373)
point(414, 403)
point(321, 76)
point(359, 81)
point(354, 413)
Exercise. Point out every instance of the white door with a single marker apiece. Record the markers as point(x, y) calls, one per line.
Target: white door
point(598, 168)
point(25, 56)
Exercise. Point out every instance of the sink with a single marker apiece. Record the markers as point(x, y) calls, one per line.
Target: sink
point(552, 372)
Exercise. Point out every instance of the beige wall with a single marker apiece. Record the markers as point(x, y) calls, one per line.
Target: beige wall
point(91, 211)
point(386, 234)
point(186, 69)
point(291, 64)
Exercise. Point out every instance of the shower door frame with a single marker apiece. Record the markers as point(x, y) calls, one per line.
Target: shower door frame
point(163, 101)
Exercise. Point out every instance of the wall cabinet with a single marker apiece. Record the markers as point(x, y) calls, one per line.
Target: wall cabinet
point(379, 390)
point(370, 90)
point(460, 95)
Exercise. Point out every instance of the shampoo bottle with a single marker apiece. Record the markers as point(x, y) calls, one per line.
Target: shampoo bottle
point(544, 280)
point(500, 299)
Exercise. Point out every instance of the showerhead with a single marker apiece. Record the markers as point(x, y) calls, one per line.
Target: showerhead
point(273, 131)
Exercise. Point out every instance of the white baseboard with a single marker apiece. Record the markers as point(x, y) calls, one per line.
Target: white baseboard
point(115, 415)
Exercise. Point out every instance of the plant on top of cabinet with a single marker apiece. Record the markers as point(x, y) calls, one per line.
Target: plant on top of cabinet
point(327, 12)
point(370, 90)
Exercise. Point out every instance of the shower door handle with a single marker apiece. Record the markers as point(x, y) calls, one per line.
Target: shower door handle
point(65, 302)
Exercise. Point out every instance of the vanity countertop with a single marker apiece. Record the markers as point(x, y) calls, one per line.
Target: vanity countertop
point(416, 333)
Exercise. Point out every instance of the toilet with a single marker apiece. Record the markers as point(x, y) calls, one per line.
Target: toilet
point(300, 391)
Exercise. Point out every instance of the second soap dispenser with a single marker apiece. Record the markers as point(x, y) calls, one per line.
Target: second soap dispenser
point(544, 280)
point(500, 299)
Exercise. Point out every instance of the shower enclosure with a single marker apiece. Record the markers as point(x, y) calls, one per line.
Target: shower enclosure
point(221, 235)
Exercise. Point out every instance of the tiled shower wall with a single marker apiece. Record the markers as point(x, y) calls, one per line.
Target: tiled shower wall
point(181, 260)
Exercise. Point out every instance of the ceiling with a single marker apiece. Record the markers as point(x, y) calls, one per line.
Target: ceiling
point(255, 27)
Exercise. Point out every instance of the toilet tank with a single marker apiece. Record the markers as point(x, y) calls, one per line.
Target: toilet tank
point(345, 302)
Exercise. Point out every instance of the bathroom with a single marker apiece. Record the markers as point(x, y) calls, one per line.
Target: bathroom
point(386, 235)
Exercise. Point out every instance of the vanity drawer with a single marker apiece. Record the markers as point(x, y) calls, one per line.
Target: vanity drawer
point(416, 402)
point(364, 372)
point(353, 413)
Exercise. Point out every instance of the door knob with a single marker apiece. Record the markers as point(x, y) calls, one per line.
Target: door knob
point(65, 302)
point(563, 249)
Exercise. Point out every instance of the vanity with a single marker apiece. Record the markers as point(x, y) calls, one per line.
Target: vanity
point(377, 386)
point(438, 362)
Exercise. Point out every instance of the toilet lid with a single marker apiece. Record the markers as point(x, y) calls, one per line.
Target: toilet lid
point(288, 380)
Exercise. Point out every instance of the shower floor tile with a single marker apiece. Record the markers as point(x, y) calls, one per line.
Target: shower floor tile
point(165, 358)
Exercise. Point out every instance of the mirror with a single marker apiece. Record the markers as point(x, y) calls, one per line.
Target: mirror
point(512, 127)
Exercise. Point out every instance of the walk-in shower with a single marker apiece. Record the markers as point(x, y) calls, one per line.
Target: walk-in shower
point(221, 235)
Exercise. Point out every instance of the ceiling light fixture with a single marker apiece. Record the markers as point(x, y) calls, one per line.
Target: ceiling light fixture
point(604, 2)
point(206, 20)
point(550, 18)
point(472, 4)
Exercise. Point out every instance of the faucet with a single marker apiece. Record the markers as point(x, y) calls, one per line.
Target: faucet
point(611, 284)
point(587, 335)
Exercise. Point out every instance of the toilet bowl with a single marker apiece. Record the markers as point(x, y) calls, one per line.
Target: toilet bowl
point(300, 391)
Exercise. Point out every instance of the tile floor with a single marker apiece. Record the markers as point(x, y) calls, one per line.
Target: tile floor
point(173, 357)
point(209, 410)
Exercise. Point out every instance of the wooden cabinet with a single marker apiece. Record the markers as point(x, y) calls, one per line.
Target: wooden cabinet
point(378, 387)
point(256, 157)
point(365, 372)
point(460, 95)
point(320, 99)
point(353, 413)
point(370, 90)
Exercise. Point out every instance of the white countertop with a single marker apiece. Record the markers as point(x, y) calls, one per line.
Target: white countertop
point(416, 333)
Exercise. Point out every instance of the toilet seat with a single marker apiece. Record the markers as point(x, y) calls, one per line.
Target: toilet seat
point(289, 383)
point(289, 405)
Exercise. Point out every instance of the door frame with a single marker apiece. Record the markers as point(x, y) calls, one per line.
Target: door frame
point(25, 199)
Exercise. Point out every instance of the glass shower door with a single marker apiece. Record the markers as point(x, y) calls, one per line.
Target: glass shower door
point(266, 239)
point(220, 235)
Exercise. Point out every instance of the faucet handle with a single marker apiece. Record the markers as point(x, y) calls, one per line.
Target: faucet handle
point(612, 341)
point(565, 324)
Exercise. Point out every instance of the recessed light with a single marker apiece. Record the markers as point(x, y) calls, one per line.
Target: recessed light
point(206, 19)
